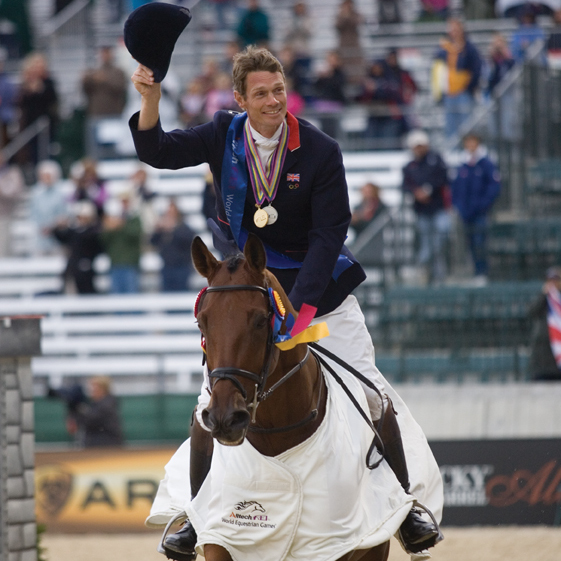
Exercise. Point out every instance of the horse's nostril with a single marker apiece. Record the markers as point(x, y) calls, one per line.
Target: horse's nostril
point(208, 419)
point(239, 419)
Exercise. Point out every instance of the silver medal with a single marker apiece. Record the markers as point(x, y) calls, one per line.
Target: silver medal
point(273, 214)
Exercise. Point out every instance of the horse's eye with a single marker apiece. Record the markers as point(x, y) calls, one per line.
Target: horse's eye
point(261, 321)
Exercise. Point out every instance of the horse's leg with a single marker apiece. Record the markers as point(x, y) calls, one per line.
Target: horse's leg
point(379, 553)
point(215, 552)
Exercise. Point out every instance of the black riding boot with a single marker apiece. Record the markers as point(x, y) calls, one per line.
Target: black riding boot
point(416, 533)
point(181, 545)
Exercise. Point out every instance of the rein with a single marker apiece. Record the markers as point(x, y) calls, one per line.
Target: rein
point(260, 380)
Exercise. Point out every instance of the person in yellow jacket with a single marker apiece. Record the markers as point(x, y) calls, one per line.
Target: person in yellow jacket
point(456, 74)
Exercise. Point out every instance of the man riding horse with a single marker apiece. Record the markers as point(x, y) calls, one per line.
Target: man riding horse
point(282, 179)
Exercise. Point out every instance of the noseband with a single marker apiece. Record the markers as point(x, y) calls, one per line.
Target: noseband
point(260, 380)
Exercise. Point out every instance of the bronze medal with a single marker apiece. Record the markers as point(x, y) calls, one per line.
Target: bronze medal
point(260, 218)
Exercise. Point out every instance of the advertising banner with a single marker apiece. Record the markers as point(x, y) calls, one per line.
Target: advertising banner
point(486, 482)
point(97, 490)
point(500, 482)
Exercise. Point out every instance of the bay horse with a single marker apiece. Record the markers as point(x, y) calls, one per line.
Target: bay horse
point(274, 399)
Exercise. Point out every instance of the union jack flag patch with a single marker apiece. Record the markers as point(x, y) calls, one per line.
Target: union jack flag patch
point(293, 177)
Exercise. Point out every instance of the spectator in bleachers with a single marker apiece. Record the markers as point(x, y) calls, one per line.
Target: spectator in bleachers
point(37, 97)
point(388, 89)
point(474, 190)
point(297, 40)
point(12, 187)
point(121, 238)
point(459, 65)
point(142, 199)
point(500, 62)
point(172, 238)
point(329, 93)
point(192, 104)
point(47, 207)
point(425, 178)
point(221, 95)
point(299, 31)
point(515, 8)
point(434, 10)
point(526, 35)
point(89, 186)
point(105, 89)
point(253, 27)
point(347, 24)
point(543, 365)
point(370, 207)
point(98, 419)
point(329, 85)
point(81, 238)
point(8, 93)
point(406, 84)
point(297, 71)
point(389, 11)
point(382, 97)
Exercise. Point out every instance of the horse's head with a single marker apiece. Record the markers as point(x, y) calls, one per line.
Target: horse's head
point(234, 314)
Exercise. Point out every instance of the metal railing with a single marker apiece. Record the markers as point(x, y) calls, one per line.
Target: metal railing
point(39, 129)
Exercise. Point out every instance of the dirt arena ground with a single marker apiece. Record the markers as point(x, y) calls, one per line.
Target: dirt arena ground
point(471, 544)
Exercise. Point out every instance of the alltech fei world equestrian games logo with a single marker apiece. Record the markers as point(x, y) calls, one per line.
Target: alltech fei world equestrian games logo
point(249, 514)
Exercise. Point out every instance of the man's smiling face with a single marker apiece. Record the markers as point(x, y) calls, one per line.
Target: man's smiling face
point(264, 101)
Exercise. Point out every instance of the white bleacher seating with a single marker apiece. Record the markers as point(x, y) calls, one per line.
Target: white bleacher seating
point(187, 185)
point(133, 338)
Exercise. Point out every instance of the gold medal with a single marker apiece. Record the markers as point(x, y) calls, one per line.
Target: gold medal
point(260, 218)
point(272, 214)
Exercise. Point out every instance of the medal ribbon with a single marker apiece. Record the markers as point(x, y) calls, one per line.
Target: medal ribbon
point(234, 182)
point(265, 185)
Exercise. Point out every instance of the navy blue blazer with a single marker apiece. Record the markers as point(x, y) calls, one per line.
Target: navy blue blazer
point(314, 212)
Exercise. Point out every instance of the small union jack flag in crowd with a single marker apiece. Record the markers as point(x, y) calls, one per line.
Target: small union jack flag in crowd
point(554, 322)
point(293, 177)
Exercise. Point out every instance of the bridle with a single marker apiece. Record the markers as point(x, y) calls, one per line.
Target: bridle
point(232, 373)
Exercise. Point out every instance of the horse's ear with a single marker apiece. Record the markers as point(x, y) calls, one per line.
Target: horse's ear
point(255, 253)
point(204, 261)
